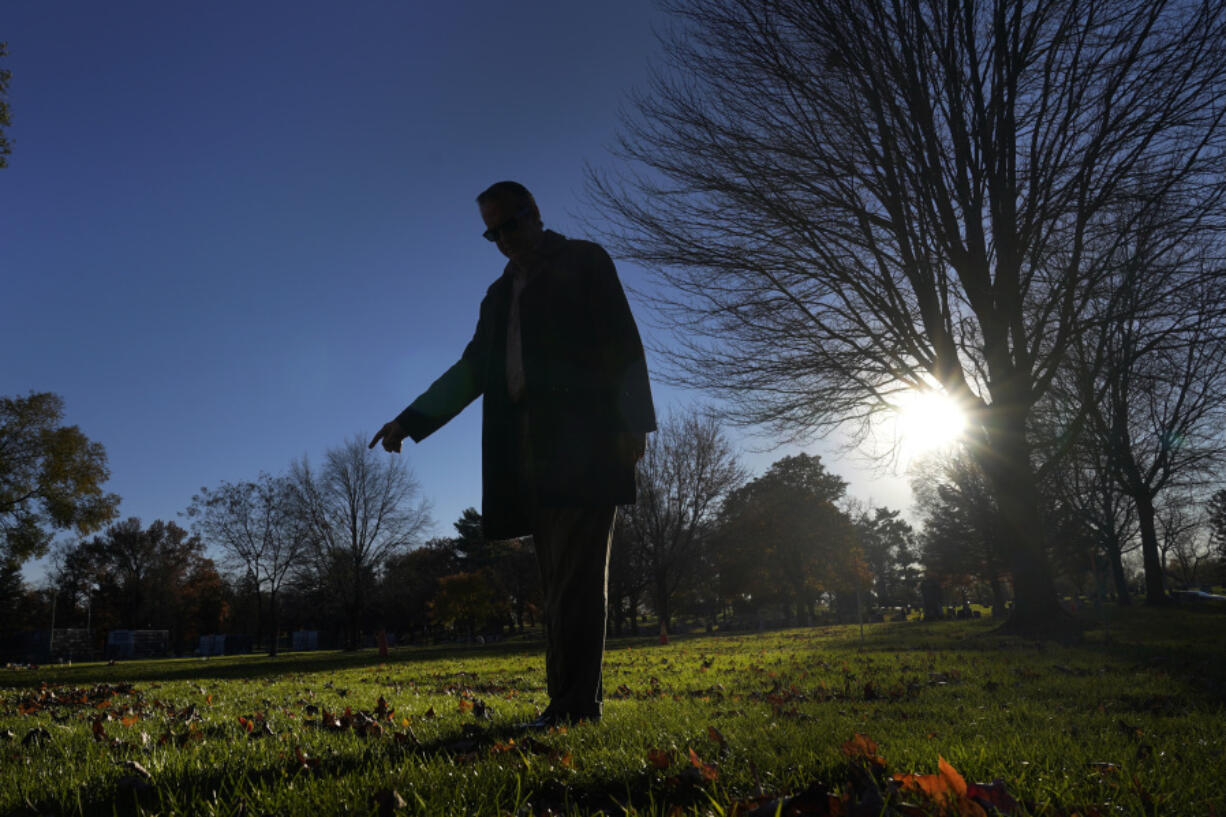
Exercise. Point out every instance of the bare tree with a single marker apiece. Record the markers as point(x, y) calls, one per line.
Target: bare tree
point(359, 509)
point(1158, 404)
point(256, 526)
point(1183, 537)
point(688, 467)
point(1084, 482)
point(845, 199)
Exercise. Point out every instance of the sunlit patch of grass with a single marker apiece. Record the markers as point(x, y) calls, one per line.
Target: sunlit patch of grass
point(1129, 722)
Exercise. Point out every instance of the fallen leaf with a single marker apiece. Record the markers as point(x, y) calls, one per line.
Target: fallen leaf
point(993, 794)
point(709, 771)
point(659, 759)
point(954, 780)
point(862, 747)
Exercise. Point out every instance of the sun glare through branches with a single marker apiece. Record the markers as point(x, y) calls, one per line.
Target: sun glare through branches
point(925, 421)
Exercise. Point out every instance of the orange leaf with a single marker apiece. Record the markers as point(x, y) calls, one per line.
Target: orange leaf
point(932, 786)
point(715, 736)
point(954, 780)
point(708, 770)
point(466, 705)
point(659, 759)
point(128, 720)
point(862, 747)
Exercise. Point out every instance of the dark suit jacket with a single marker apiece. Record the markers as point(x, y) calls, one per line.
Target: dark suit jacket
point(586, 387)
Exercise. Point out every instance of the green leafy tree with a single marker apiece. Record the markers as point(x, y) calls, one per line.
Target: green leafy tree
point(410, 583)
point(782, 540)
point(960, 538)
point(1217, 529)
point(141, 577)
point(888, 545)
point(466, 601)
point(51, 477)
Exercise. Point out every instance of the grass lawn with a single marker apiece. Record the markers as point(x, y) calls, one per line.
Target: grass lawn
point(1131, 721)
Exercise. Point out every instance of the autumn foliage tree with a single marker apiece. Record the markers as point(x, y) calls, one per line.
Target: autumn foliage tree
point(51, 476)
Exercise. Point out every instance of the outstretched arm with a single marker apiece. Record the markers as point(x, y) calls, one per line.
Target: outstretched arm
point(446, 397)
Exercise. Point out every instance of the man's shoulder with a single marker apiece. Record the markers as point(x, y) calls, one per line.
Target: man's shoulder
point(579, 251)
point(501, 283)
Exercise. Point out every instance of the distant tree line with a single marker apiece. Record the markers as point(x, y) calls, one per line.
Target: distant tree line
point(339, 548)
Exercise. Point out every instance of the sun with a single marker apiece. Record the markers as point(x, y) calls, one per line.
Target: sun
point(926, 421)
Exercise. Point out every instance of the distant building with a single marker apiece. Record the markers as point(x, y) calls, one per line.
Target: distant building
point(130, 644)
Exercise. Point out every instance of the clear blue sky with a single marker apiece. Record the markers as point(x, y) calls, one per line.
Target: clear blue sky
point(232, 234)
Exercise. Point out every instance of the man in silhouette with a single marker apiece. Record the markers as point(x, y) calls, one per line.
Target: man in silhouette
point(567, 406)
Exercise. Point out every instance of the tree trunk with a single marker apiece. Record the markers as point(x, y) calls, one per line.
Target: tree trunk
point(1004, 457)
point(662, 604)
point(355, 610)
point(273, 622)
point(998, 597)
point(1116, 559)
point(1155, 586)
point(259, 616)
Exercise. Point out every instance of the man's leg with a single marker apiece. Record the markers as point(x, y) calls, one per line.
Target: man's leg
point(572, 548)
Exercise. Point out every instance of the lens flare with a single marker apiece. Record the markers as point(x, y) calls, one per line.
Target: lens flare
point(927, 421)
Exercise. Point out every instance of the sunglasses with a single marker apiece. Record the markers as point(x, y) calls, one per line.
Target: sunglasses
point(510, 225)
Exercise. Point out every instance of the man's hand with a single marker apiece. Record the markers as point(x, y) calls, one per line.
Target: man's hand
point(391, 434)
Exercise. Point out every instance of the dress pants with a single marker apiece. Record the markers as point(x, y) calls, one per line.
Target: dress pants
point(572, 552)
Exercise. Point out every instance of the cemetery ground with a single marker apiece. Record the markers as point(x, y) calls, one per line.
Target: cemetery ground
point(938, 718)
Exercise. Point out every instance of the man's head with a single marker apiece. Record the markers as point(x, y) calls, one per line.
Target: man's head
point(511, 218)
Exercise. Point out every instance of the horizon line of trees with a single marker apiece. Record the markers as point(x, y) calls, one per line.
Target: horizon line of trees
point(340, 548)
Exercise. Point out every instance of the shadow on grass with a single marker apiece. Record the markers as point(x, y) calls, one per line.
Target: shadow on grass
point(1182, 640)
point(226, 790)
point(252, 666)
